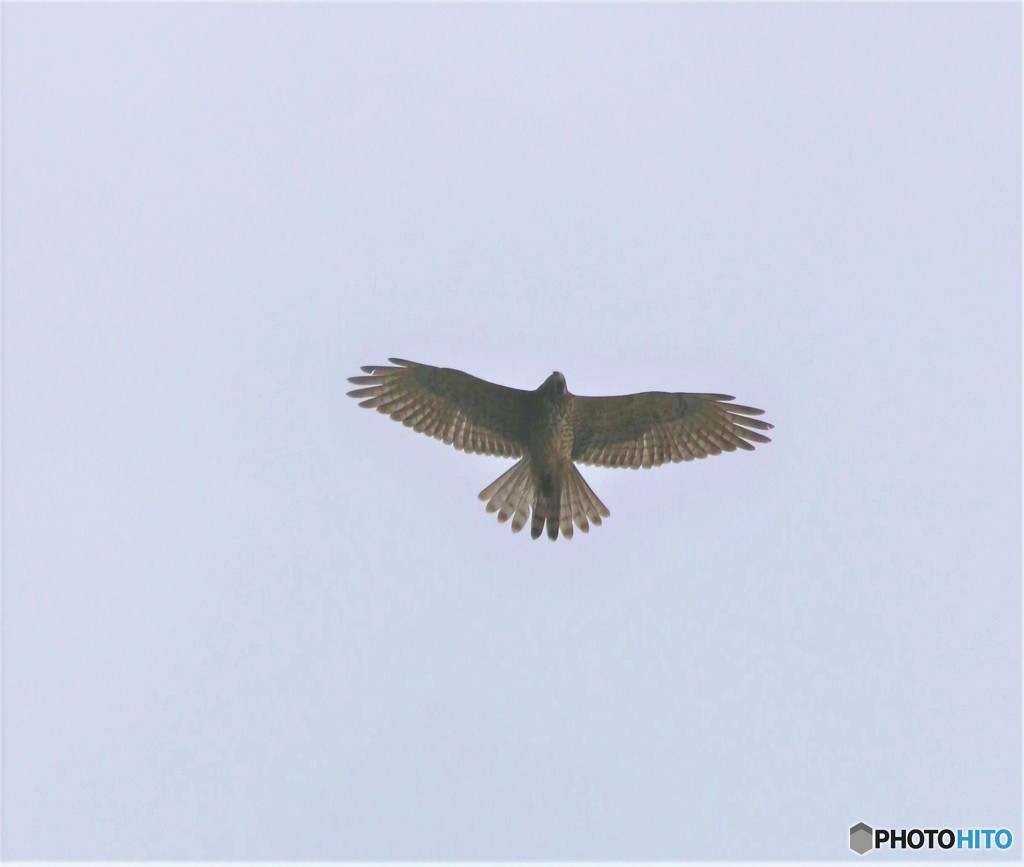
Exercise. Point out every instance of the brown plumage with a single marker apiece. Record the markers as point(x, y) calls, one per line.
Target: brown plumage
point(551, 430)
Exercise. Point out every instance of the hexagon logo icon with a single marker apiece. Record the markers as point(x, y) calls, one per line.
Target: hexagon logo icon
point(862, 838)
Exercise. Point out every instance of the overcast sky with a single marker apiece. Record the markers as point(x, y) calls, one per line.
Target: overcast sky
point(243, 618)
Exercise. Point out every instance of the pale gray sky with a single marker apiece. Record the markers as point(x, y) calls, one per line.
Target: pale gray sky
point(243, 618)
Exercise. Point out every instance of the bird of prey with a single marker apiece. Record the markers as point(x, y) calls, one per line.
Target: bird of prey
point(550, 430)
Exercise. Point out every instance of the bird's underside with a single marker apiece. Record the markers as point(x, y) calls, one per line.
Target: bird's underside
point(551, 430)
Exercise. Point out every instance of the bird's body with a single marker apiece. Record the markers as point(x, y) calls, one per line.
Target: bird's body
point(550, 450)
point(550, 430)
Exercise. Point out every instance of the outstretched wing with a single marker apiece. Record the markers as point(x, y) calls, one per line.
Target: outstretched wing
point(646, 430)
point(469, 413)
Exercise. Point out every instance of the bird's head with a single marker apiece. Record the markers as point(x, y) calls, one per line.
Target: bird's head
point(555, 384)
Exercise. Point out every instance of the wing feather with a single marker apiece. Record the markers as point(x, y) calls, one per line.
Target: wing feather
point(468, 413)
point(652, 428)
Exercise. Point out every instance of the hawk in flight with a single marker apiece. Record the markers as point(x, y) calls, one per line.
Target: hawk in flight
point(551, 430)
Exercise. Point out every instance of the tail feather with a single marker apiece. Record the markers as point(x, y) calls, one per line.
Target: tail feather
point(566, 511)
point(547, 510)
point(514, 495)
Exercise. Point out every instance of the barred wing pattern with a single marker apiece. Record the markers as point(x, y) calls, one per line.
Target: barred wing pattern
point(469, 413)
point(649, 429)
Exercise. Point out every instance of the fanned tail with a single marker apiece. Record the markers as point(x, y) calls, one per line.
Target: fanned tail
point(514, 494)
